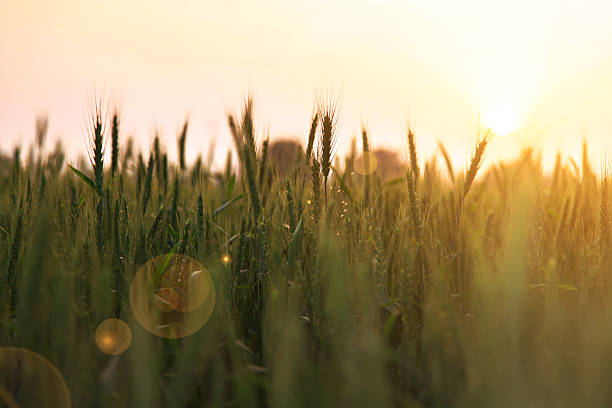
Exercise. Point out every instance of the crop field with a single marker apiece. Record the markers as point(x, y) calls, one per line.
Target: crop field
point(294, 277)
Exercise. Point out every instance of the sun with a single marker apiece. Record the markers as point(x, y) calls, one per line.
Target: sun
point(503, 119)
point(504, 93)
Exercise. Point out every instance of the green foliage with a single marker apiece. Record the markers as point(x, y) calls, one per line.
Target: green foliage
point(480, 288)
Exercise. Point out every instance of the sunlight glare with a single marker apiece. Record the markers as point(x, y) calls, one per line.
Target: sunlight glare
point(504, 94)
point(502, 119)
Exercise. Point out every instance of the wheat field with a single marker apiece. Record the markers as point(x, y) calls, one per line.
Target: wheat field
point(337, 281)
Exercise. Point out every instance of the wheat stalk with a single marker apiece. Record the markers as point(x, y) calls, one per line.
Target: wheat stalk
point(181, 144)
point(365, 143)
point(414, 163)
point(476, 162)
point(447, 161)
point(114, 143)
point(96, 131)
point(311, 135)
point(327, 139)
point(604, 220)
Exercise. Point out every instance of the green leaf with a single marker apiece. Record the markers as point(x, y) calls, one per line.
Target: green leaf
point(226, 204)
point(86, 179)
point(172, 232)
point(162, 268)
point(82, 200)
point(393, 182)
point(230, 185)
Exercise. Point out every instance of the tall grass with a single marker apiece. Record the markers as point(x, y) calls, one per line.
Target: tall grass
point(115, 143)
point(488, 287)
point(328, 118)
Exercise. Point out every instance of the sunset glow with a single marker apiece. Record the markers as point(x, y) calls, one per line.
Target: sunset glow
point(282, 203)
point(518, 66)
point(502, 119)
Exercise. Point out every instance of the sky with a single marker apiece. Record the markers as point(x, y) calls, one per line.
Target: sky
point(536, 72)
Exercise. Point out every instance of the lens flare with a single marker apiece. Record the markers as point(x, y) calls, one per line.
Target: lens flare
point(166, 299)
point(29, 380)
point(113, 336)
point(172, 296)
point(366, 164)
point(7, 398)
point(503, 120)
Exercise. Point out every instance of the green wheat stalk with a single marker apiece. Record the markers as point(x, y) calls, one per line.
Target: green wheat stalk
point(181, 144)
point(114, 143)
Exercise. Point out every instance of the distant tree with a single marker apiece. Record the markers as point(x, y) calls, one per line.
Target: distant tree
point(389, 164)
point(284, 154)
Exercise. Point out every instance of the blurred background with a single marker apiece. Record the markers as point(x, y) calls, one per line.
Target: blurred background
point(537, 73)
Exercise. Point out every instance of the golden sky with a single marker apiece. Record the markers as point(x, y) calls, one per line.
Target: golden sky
point(537, 72)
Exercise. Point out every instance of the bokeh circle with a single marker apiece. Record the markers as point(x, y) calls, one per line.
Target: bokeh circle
point(172, 296)
point(27, 379)
point(366, 163)
point(113, 336)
